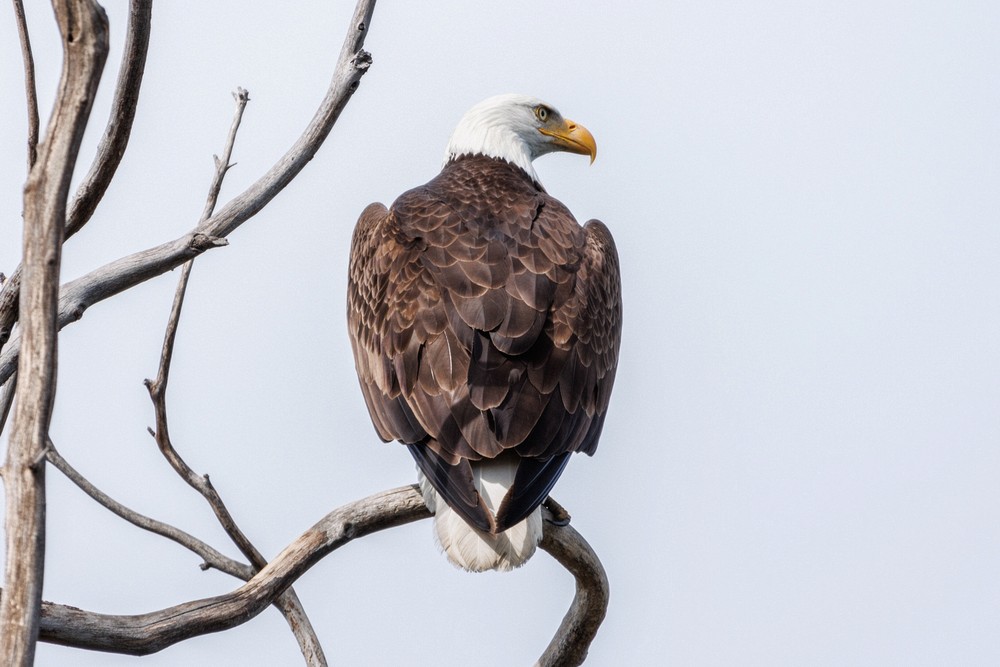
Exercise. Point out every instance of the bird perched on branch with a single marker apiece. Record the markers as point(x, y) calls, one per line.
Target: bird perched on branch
point(485, 323)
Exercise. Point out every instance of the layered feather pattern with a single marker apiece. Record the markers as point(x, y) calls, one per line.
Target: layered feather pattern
point(485, 323)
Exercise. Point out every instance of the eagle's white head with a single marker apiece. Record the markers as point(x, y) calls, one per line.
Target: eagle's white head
point(517, 128)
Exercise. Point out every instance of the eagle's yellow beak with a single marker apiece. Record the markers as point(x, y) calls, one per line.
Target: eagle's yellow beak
point(571, 137)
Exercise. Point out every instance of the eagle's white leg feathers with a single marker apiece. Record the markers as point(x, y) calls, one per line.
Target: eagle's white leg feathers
point(472, 549)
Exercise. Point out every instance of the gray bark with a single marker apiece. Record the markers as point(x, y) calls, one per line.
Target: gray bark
point(84, 31)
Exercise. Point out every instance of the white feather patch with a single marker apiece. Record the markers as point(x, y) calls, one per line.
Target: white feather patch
point(504, 127)
point(472, 549)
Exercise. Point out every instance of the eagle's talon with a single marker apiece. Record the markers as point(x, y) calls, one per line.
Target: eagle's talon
point(557, 515)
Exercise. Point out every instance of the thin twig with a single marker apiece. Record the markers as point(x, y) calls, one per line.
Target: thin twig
point(29, 82)
point(211, 557)
point(222, 164)
point(77, 296)
point(289, 603)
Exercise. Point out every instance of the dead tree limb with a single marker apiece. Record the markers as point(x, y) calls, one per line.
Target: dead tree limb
point(134, 269)
point(352, 64)
point(84, 30)
point(109, 151)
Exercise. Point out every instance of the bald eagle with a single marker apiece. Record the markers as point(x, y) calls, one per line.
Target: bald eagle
point(485, 323)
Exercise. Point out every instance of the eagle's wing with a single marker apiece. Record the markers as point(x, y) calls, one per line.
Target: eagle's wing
point(375, 323)
point(580, 347)
point(401, 339)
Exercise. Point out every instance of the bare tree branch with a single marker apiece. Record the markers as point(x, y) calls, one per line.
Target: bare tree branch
point(289, 603)
point(84, 30)
point(158, 388)
point(10, 287)
point(109, 151)
point(29, 82)
point(200, 483)
point(143, 634)
point(579, 627)
point(210, 556)
point(129, 271)
point(302, 629)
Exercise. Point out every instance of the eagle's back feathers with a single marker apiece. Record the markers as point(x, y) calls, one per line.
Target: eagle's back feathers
point(485, 323)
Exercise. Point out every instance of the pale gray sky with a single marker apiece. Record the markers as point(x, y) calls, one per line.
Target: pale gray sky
point(802, 458)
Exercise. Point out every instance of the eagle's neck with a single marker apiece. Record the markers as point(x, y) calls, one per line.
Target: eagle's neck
point(480, 136)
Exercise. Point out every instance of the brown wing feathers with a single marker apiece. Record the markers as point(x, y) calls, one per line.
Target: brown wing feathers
point(483, 319)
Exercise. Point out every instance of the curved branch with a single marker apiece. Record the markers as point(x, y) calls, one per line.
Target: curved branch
point(129, 271)
point(143, 634)
point(579, 627)
point(288, 602)
point(158, 387)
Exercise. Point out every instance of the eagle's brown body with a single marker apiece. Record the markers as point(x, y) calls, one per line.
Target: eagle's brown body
point(485, 323)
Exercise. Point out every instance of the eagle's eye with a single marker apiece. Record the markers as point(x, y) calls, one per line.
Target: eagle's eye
point(542, 113)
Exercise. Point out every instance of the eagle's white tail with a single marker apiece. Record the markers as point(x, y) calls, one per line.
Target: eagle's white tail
point(472, 549)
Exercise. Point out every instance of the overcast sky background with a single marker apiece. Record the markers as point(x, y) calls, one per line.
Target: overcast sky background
point(801, 465)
